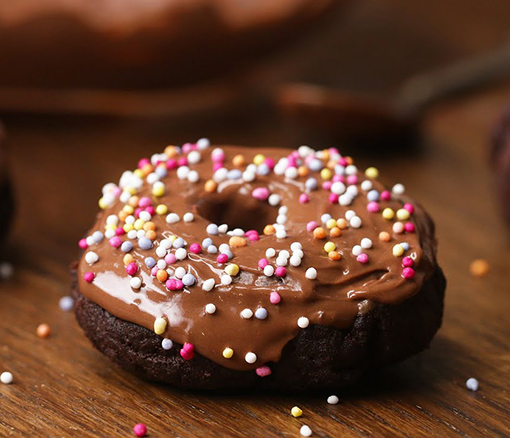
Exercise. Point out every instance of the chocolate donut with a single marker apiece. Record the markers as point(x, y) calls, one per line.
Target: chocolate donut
point(235, 267)
point(6, 198)
point(500, 159)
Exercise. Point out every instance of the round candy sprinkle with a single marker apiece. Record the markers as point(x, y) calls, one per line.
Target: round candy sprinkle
point(261, 193)
point(408, 273)
point(136, 283)
point(303, 322)
point(208, 284)
point(357, 250)
point(296, 412)
point(330, 246)
point(268, 271)
point(274, 297)
point(246, 314)
point(384, 236)
point(66, 303)
point(226, 279)
point(362, 258)
point(188, 279)
point(472, 384)
point(311, 273)
point(407, 262)
point(188, 217)
point(6, 377)
point(250, 357)
point(263, 371)
point(305, 431)
point(388, 214)
point(210, 308)
point(132, 268)
point(228, 353)
point(91, 257)
point(479, 268)
point(333, 400)
point(89, 277)
point(187, 351)
point(232, 269)
point(167, 344)
point(261, 313)
point(222, 258)
point(398, 250)
point(43, 331)
point(160, 325)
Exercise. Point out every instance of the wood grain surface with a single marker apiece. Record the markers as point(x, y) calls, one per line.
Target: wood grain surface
point(64, 388)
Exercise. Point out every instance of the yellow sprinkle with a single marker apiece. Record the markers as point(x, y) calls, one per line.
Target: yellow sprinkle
point(158, 189)
point(330, 246)
point(232, 269)
point(130, 190)
point(258, 159)
point(228, 353)
point(161, 209)
point(403, 214)
point(138, 224)
point(138, 173)
point(172, 238)
point(159, 326)
point(331, 224)
point(128, 227)
point(128, 258)
point(110, 227)
point(326, 174)
point(102, 204)
point(388, 213)
point(296, 412)
point(128, 209)
point(398, 250)
point(372, 172)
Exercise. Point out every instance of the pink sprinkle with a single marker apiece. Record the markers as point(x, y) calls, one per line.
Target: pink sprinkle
point(407, 262)
point(263, 371)
point(119, 231)
point(170, 284)
point(143, 162)
point(260, 193)
point(309, 159)
point(343, 161)
point(187, 148)
point(170, 259)
point(140, 430)
point(187, 351)
point(337, 178)
point(171, 164)
point(385, 195)
point(275, 297)
point(303, 198)
point(222, 258)
point(408, 273)
point(217, 166)
point(362, 258)
point(310, 226)
point(154, 271)
point(352, 179)
point(326, 185)
point(333, 198)
point(373, 207)
point(409, 227)
point(409, 208)
point(182, 161)
point(280, 271)
point(269, 162)
point(195, 248)
point(115, 241)
point(89, 277)
point(144, 202)
point(117, 191)
point(83, 244)
point(151, 210)
point(179, 285)
point(132, 268)
point(263, 263)
point(217, 156)
point(247, 233)
point(253, 237)
point(138, 211)
point(291, 161)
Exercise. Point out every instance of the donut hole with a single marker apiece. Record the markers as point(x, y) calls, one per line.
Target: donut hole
point(237, 211)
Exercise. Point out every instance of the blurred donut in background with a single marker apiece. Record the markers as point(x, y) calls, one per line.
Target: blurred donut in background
point(6, 199)
point(500, 159)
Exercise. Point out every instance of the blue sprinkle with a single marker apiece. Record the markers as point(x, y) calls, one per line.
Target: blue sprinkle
point(66, 303)
point(339, 169)
point(263, 169)
point(150, 262)
point(145, 243)
point(188, 280)
point(179, 243)
point(229, 254)
point(126, 246)
point(405, 245)
point(211, 249)
point(234, 174)
point(311, 184)
point(167, 344)
point(261, 313)
point(315, 165)
point(161, 171)
point(373, 195)
point(97, 236)
point(212, 229)
point(207, 242)
point(325, 217)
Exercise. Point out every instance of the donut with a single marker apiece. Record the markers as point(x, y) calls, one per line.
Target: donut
point(500, 159)
point(6, 197)
point(79, 44)
point(233, 267)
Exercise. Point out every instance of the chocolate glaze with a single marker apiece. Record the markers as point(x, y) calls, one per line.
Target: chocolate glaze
point(343, 289)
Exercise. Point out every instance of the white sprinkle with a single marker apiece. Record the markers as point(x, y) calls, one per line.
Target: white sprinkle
point(239, 232)
point(220, 175)
point(270, 252)
point(355, 222)
point(208, 284)
point(281, 261)
point(161, 264)
point(345, 199)
point(298, 253)
point(303, 322)
point(194, 157)
point(398, 189)
point(224, 248)
point(6, 270)
point(90, 240)
point(145, 216)
point(110, 233)
point(284, 254)
point(130, 219)
point(338, 188)
point(91, 257)
point(188, 217)
point(181, 254)
point(248, 176)
point(295, 246)
point(250, 357)
point(140, 234)
point(305, 431)
point(333, 400)
point(472, 384)
point(226, 279)
point(351, 170)
point(172, 218)
point(167, 344)
point(223, 228)
point(281, 219)
point(180, 272)
point(161, 251)
point(112, 219)
point(182, 172)
point(203, 143)
point(135, 283)
point(281, 234)
point(6, 377)
point(210, 308)
point(283, 209)
point(357, 250)
point(246, 314)
point(291, 172)
point(131, 234)
point(349, 214)
point(295, 261)
point(366, 243)
point(366, 185)
point(274, 200)
point(193, 176)
point(311, 273)
point(268, 271)
point(325, 217)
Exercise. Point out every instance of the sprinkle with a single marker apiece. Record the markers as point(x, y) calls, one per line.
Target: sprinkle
point(471, 384)
point(228, 353)
point(355, 222)
point(407, 262)
point(180, 272)
point(161, 209)
point(158, 189)
point(398, 228)
point(304, 198)
point(274, 200)
point(237, 242)
point(250, 357)
point(398, 250)
point(372, 172)
point(296, 412)
point(388, 214)
point(330, 246)
point(167, 344)
point(195, 248)
point(246, 314)
point(311, 273)
point(384, 236)
point(188, 217)
point(6, 378)
point(208, 284)
point(187, 351)
point(408, 273)
point(479, 268)
point(66, 303)
point(333, 400)
point(188, 279)
point(261, 313)
point(136, 283)
point(385, 195)
point(398, 189)
point(334, 255)
point(149, 262)
point(281, 234)
point(115, 241)
point(268, 271)
point(268, 230)
point(262, 263)
point(132, 268)
point(310, 226)
point(341, 223)
point(226, 279)
point(280, 271)
point(366, 243)
point(210, 308)
point(357, 250)
point(409, 227)
point(89, 277)
point(403, 214)
point(294, 246)
point(319, 233)
point(212, 229)
point(305, 431)
point(160, 325)
point(260, 193)
point(274, 297)
point(210, 186)
point(362, 258)
point(270, 252)
point(91, 257)
point(303, 322)
point(43, 331)
point(263, 371)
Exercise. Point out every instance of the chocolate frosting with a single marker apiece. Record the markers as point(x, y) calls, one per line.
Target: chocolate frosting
point(342, 289)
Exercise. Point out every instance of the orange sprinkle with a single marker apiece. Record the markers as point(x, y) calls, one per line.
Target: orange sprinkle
point(335, 232)
point(171, 151)
point(238, 160)
point(128, 258)
point(149, 226)
point(151, 234)
point(162, 275)
point(43, 331)
point(331, 164)
point(268, 230)
point(384, 236)
point(319, 233)
point(303, 171)
point(148, 168)
point(133, 201)
point(479, 268)
point(237, 242)
point(341, 223)
point(334, 255)
point(210, 186)
point(349, 160)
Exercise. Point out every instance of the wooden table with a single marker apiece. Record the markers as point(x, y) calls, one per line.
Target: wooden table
point(63, 387)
